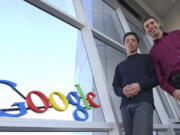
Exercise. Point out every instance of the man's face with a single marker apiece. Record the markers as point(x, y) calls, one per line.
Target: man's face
point(152, 27)
point(131, 44)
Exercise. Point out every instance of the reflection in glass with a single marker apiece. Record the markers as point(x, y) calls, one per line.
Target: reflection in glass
point(103, 18)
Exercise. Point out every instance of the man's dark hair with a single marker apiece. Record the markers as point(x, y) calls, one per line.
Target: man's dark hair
point(147, 18)
point(131, 33)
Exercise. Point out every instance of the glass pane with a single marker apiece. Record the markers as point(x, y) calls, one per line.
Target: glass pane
point(66, 5)
point(110, 58)
point(40, 52)
point(144, 44)
point(177, 131)
point(103, 18)
point(155, 132)
point(84, 77)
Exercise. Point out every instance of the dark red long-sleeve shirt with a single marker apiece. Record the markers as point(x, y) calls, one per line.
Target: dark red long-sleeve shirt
point(165, 54)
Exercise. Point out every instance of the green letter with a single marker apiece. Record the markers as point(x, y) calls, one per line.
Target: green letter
point(83, 97)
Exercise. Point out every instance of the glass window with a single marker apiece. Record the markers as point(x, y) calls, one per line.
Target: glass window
point(110, 58)
point(66, 5)
point(84, 77)
point(155, 132)
point(103, 18)
point(39, 52)
point(177, 131)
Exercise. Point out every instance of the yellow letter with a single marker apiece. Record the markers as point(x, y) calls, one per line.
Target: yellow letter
point(53, 103)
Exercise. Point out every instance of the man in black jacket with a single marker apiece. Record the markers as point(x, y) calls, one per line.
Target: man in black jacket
point(133, 80)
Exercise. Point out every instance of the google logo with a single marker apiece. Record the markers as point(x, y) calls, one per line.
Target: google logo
point(88, 102)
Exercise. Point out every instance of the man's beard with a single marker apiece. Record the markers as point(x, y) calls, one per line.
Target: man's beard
point(156, 34)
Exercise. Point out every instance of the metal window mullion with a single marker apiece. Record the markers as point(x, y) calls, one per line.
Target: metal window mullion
point(56, 12)
point(123, 20)
point(97, 69)
point(173, 104)
point(45, 125)
point(170, 104)
point(109, 41)
point(160, 127)
point(159, 108)
point(112, 3)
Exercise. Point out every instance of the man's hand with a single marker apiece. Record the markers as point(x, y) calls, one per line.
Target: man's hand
point(127, 91)
point(176, 94)
point(131, 90)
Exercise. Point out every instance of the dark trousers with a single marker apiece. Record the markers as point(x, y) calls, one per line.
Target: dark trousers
point(138, 119)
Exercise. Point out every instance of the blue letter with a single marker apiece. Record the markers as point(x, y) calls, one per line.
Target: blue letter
point(77, 104)
point(21, 108)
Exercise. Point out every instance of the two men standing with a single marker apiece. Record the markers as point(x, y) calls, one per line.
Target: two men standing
point(135, 77)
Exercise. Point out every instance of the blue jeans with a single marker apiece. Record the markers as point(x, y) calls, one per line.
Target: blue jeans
point(138, 119)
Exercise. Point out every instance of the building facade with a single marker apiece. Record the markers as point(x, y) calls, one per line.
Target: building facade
point(100, 26)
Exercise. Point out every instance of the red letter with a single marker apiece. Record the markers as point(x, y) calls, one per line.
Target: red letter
point(31, 104)
point(91, 102)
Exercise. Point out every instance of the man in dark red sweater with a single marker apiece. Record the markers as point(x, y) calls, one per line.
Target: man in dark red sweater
point(165, 54)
